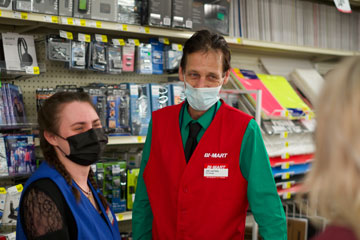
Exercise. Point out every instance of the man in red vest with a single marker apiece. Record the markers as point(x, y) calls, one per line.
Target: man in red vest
point(203, 161)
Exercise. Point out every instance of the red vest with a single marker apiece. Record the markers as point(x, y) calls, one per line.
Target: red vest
point(185, 203)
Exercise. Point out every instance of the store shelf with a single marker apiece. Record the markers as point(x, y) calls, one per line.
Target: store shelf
point(124, 216)
point(37, 21)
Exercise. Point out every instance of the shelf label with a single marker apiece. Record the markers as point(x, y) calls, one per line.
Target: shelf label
point(285, 113)
point(32, 70)
point(22, 15)
point(285, 176)
point(122, 27)
point(285, 156)
point(285, 165)
point(67, 35)
point(2, 190)
point(98, 24)
point(101, 38)
point(238, 40)
point(136, 42)
point(118, 42)
point(284, 135)
point(286, 185)
point(164, 41)
point(82, 22)
point(70, 21)
point(286, 144)
point(287, 195)
point(120, 216)
point(145, 29)
point(177, 47)
point(0, 13)
point(139, 139)
point(84, 37)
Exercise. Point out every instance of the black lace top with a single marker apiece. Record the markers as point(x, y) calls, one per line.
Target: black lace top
point(45, 213)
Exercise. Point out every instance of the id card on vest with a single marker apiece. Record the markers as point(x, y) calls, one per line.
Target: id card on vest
point(216, 171)
point(110, 216)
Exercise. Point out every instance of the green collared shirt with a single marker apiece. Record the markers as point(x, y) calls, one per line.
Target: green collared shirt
point(254, 164)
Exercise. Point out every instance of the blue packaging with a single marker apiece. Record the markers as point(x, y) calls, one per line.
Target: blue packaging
point(160, 96)
point(144, 59)
point(157, 50)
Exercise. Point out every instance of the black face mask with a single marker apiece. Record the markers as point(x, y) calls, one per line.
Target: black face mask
point(86, 148)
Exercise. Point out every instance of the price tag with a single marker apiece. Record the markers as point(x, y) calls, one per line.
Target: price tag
point(308, 117)
point(285, 165)
point(139, 139)
point(287, 195)
point(118, 42)
point(70, 21)
point(285, 176)
point(101, 38)
point(98, 24)
point(285, 113)
point(145, 29)
point(164, 41)
point(285, 156)
point(0, 13)
point(286, 144)
point(136, 42)
point(32, 70)
point(82, 22)
point(67, 35)
point(2, 190)
point(238, 40)
point(24, 15)
point(120, 216)
point(52, 19)
point(124, 27)
point(284, 134)
point(286, 185)
point(84, 37)
point(19, 187)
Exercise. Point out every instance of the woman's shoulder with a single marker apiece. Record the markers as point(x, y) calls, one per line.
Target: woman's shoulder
point(336, 232)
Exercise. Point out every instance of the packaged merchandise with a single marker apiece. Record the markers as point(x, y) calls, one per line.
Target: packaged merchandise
point(3, 159)
point(58, 49)
point(157, 50)
point(11, 208)
point(66, 8)
point(129, 11)
point(156, 13)
point(132, 177)
point(98, 56)
point(144, 59)
point(181, 14)
point(22, 5)
point(6, 4)
point(2, 201)
point(82, 9)
point(45, 6)
point(106, 10)
point(114, 59)
point(78, 55)
point(160, 96)
point(177, 93)
point(19, 51)
point(97, 93)
point(128, 57)
point(20, 151)
point(117, 110)
point(140, 109)
point(172, 57)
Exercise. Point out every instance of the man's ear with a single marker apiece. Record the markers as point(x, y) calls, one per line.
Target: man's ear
point(226, 78)
point(51, 138)
point(181, 74)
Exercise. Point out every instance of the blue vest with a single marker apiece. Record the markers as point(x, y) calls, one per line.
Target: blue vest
point(90, 224)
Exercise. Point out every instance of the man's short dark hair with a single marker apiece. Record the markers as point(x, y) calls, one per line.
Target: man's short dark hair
point(203, 41)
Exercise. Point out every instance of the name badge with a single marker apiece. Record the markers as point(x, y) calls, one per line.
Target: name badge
point(216, 170)
point(110, 216)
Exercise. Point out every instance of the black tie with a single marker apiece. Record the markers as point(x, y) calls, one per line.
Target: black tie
point(194, 129)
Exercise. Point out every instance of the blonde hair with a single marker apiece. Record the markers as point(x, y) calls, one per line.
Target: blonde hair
point(332, 185)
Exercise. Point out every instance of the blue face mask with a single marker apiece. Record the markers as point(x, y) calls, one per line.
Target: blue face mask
point(201, 99)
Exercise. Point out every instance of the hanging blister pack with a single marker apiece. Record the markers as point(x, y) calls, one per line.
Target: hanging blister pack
point(58, 49)
point(144, 64)
point(98, 56)
point(173, 56)
point(78, 55)
point(114, 59)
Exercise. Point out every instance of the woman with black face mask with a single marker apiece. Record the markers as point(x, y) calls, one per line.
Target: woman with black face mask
point(61, 200)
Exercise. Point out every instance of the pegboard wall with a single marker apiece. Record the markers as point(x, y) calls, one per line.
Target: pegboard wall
point(56, 74)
